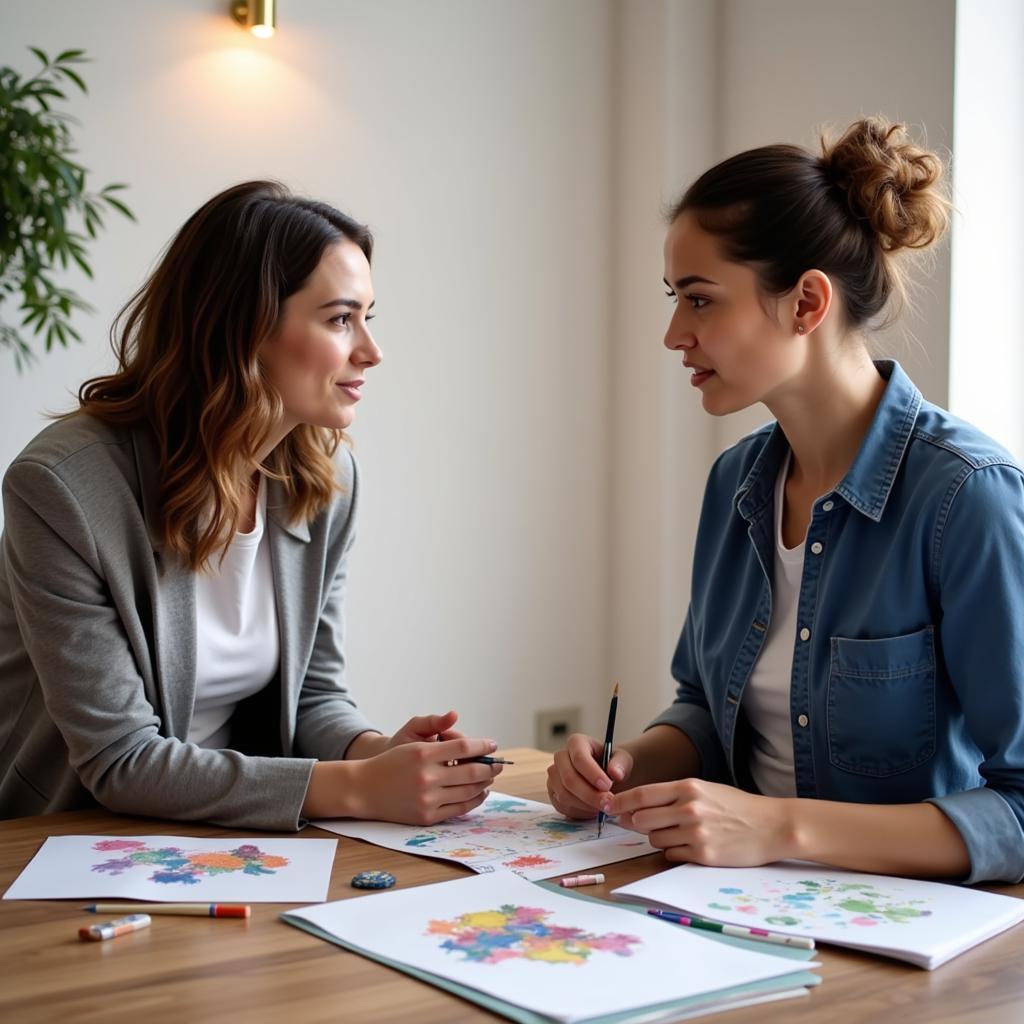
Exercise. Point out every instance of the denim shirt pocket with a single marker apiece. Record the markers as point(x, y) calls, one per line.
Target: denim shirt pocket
point(881, 703)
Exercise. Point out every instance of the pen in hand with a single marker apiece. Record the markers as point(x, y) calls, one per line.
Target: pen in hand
point(479, 760)
point(606, 753)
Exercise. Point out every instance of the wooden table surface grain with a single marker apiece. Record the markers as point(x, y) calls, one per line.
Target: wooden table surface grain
point(189, 969)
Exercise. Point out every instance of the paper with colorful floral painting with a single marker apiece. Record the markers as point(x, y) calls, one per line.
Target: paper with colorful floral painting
point(178, 869)
point(566, 958)
point(506, 833)
point(925, 923)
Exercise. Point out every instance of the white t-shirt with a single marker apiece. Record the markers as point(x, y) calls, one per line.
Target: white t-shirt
point(767, 694)
point(237, 644)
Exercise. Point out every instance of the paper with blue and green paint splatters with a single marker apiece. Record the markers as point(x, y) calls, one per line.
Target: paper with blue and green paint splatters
point(506, 833)
point(926, 923)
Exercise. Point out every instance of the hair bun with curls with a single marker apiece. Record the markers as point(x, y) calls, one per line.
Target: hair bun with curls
point(890, 182)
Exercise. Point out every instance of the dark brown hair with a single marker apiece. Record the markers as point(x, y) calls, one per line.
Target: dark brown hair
point(188, 366)
point(847, 213)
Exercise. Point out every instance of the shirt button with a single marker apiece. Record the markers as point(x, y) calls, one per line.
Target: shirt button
point(805, 634)
point(816, 548)
point(802, 721)
point(828, 506)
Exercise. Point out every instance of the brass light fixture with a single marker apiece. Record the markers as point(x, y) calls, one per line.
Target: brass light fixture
point(258, 16)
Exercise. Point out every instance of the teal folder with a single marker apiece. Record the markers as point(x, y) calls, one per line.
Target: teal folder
point(694, 1004)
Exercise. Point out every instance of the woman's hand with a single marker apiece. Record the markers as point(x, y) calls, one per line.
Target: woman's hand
point(412, 783)
point(426, 729)
point(576, 784)
point(707, 822)
point(423, 729)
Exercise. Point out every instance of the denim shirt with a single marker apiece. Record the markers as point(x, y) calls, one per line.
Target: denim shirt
point(908, 663)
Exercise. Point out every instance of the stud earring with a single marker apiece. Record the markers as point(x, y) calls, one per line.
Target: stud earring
point(800, 328)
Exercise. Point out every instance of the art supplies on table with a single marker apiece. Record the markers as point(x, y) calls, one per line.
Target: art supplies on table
point(573, 881)
point(606, 749)
point(112, 929)
point(180, 909)
point(734, 930)
point(505, 833)
point(165, 868)
point(924, 923)
point(532, 953)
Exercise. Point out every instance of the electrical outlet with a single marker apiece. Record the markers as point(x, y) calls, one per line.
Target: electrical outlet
point(554, 726)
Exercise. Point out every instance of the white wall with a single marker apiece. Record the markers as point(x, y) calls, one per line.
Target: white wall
point(698, 80)
point(790, 66)
point(662, 443)
point(986, 355)
point(474, 138)
point(533, 459)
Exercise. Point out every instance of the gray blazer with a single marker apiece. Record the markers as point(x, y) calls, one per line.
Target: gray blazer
point(98, 645)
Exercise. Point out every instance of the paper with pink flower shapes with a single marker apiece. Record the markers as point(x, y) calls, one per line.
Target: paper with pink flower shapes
point(178, 869)
point(506, 833)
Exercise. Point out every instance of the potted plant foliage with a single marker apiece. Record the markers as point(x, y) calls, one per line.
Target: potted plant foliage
point(47, 213)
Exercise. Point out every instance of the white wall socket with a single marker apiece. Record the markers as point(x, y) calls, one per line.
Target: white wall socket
point(554, 726)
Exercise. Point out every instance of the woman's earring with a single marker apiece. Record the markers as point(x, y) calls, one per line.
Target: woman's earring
point(800, 328)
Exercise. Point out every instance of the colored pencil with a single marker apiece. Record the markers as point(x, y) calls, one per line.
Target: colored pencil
point(606, 753)
point(190, 909)
point(735, 930)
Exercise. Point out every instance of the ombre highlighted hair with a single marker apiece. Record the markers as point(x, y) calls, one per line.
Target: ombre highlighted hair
point(188, 362)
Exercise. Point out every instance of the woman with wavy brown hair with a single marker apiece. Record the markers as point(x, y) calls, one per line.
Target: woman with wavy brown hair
point(173, 561)
point(850, 674)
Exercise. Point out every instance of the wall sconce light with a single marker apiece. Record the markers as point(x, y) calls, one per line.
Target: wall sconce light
point(258, 16)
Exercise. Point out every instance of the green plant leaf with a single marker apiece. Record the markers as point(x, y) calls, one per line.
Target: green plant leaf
point(50, 212)
point(74, 76)
point(118, 205)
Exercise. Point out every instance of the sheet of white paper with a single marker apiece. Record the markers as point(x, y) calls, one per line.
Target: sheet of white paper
point(506, 833)
point(178, 869)
point(567, 958)
point(926, 923)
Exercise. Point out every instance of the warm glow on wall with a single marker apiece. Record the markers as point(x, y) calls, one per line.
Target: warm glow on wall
point(258, 16)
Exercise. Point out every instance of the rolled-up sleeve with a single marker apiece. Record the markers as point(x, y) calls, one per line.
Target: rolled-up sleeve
point(979, 563)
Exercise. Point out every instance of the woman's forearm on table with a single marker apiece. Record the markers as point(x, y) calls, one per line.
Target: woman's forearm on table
point(916, 840)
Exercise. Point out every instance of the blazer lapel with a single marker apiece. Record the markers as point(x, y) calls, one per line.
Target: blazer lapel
point(287, 554)
point(173, 588)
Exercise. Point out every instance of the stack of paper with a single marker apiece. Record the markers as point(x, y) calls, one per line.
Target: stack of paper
point(514, 946)
point(924, 923)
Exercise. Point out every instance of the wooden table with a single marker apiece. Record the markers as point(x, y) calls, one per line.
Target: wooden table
point(191, 970)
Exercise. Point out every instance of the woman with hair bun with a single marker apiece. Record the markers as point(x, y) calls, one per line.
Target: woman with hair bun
point(850, 674)
point(174, 554)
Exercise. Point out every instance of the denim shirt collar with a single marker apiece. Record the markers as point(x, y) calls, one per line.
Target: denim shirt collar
point(867, 485)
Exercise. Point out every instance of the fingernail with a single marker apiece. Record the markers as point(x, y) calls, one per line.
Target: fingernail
point(603, 784)
point(491, 745)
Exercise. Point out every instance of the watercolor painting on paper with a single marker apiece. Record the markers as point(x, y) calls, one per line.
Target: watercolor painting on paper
point(923, 922)
point(566, 958)
point(178, 868)
point(505, 833)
